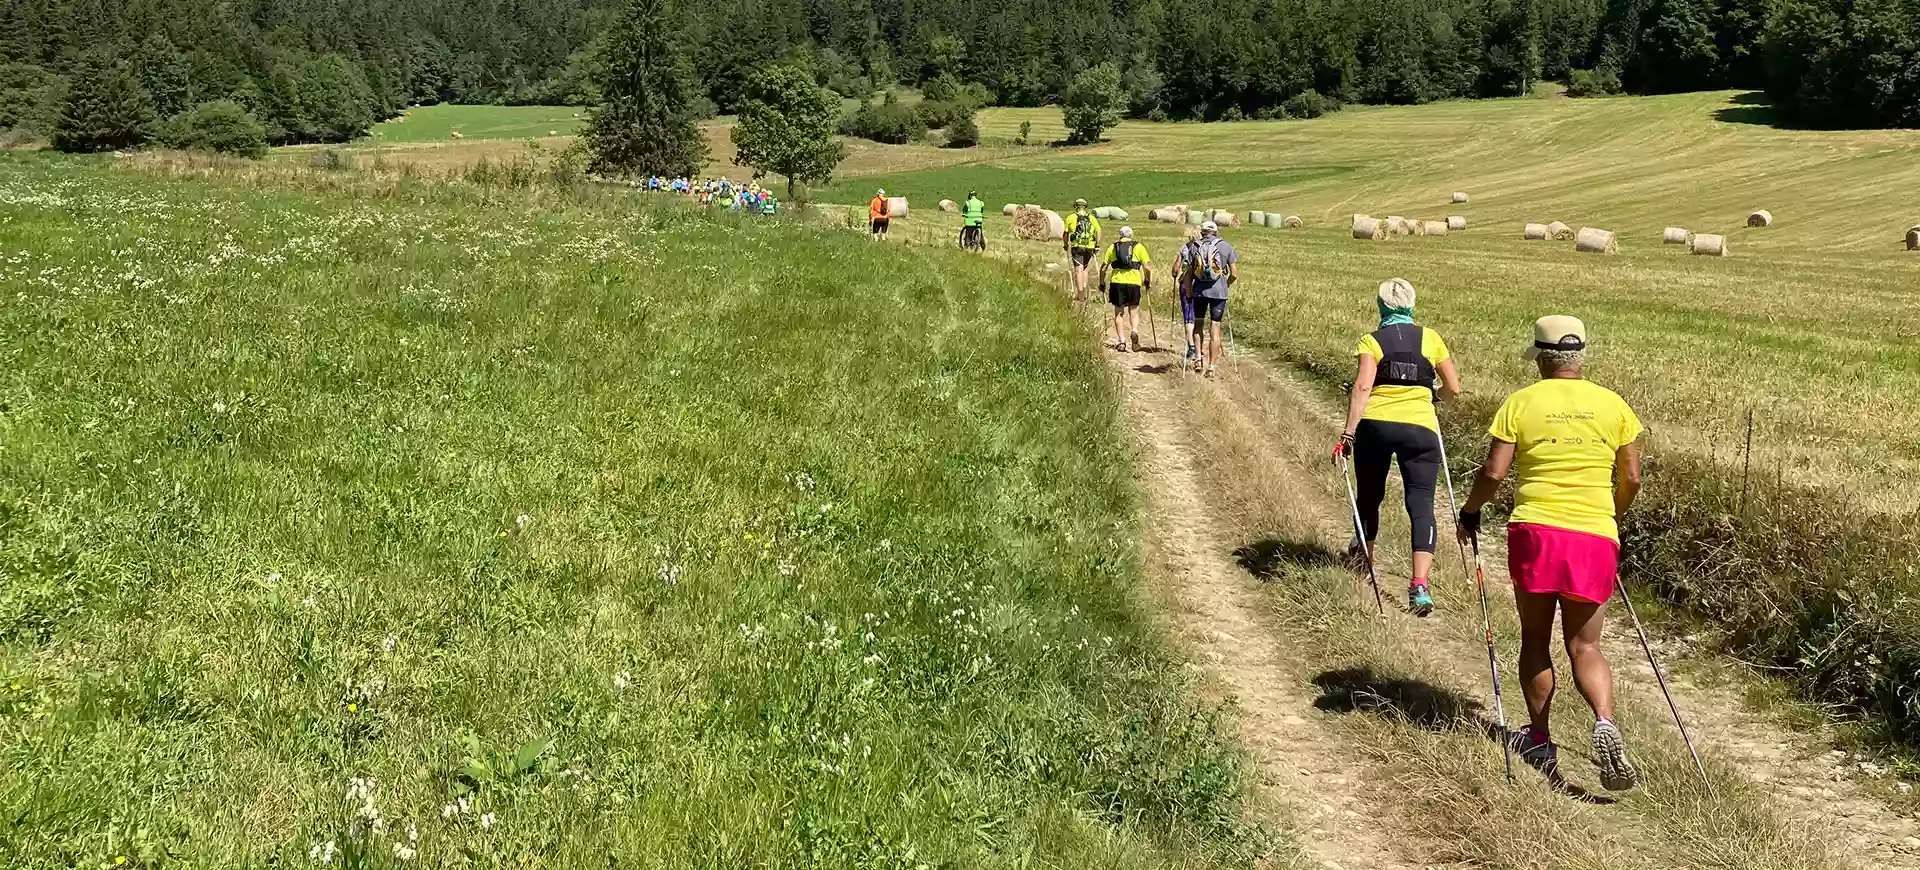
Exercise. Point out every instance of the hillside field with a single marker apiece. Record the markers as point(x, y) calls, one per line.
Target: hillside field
point(377, 525)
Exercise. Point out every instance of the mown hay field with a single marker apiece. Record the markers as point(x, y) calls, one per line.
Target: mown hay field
point(414, 523)
point(1798, 543)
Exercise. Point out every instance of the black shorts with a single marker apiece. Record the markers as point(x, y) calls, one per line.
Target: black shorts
point(879, 225)
point(1083, 256)
point(1124, 295)
point(1215, 309)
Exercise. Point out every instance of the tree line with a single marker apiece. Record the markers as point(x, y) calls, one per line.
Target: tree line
point(119, 72)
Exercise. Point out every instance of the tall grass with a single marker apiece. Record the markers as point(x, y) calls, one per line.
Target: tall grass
point(388, 522)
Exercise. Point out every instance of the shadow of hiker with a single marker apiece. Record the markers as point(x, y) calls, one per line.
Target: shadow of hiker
point(1266, 557)
point(1430, 707)
point(1151, 369)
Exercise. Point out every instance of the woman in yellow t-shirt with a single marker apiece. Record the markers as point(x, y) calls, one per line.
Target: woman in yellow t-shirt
point(1572, 445)
point(1390, 414)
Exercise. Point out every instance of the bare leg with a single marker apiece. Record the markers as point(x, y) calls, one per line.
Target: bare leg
point(1422, 566)
point(1581, 623)
point(1536, 655)
point(1213, 346)
point(1119, 324)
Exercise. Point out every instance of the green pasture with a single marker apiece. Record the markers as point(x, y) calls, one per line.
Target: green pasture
point(440, 122)
point(435, 527)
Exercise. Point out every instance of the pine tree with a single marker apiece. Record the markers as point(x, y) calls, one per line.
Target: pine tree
point(641, 126)
point(106, 108)
point(166, 75)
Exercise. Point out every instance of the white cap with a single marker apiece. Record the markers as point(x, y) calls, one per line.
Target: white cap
point(1126, 232)
point(1209, 227)
point(883, 192)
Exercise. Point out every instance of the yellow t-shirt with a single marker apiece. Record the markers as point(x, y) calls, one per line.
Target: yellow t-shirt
point(1130, 276)
point(1565, 433)
point(1093, 231)
point(1392, 403)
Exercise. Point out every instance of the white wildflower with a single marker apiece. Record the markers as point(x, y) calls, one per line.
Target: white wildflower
point(274, 577)
point(521, 521)
point(413, 833)
point(322, 852)
point(489, 820)
point(787, 567)
point(219, 407)
point(622, 680)
point(387, 644)
point(403, 852)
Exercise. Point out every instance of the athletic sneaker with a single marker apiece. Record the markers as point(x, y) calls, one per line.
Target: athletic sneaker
point(1120, 346)
point(1193, 354)
point(1210, 370)
point(1419, 599)
point(1536, 750)
point(1610, 754)
point(1136, 341)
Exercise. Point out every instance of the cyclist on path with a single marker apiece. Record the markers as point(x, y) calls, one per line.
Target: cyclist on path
point(973, 222)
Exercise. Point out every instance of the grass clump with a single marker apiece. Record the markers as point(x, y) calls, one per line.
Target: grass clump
point(440, 528)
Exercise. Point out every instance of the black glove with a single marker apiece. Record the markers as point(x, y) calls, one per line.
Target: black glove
point(1469, 522)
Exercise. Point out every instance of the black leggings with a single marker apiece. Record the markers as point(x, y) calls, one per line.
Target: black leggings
point(1375, 444)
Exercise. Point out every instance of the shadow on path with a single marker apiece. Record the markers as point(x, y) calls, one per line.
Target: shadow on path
point(1268, 557)
point(1422, 704)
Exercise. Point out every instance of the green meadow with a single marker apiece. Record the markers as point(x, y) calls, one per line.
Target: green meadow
point(414, 523)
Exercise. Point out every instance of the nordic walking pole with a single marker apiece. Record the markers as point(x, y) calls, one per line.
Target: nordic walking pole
point(1153, 326)
point(1477, 573)
point(1360, 534)
point(1662, 680)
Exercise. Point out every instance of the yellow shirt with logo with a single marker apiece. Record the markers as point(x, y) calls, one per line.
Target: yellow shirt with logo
point(1393, 403)
point(1093, 231)
point(1565, 432)
point(1136, 277)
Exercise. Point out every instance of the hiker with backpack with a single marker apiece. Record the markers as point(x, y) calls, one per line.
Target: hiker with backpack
point(1081, 241)
point(1128, 272)
point(1390, 414)
point(1208, 267)
point(973, 222)
point(878, 216)
point(1573, 446)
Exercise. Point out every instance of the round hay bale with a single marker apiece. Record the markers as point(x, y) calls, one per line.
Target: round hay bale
point(1116, 213)
point(1459, 196)
point(1456, 222)
point(1415, 227)
point(1369, 229)
point(1103, 212)
point(897, 207)
point(1434, 228)
point(456, 135)
point(1913, 238)
point(948, 205)
point(1292, 222)
point(1009, 209)
point(1257, 218)
point(1559, 232)
point(1675, 236)
point(1761, 218)
point(1397, 225)
point(1708, 245)
point(1593, 240)
point(1534, 232)
point(1197, 217)
point(1225, 218)
point(1038, 225)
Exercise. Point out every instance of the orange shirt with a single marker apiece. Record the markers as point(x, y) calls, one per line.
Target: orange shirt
point(877, 209)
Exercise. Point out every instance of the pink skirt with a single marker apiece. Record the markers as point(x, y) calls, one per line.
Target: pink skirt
point(1545, 560)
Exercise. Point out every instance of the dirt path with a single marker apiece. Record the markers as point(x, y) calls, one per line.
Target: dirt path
point(1214, 606)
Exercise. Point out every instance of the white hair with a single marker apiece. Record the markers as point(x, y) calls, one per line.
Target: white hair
point(1397, 293)
point(1563, 359)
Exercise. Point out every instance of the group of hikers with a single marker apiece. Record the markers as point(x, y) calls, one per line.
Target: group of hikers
point(1570, 446)
point(750, 198)
point(1572, 449)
